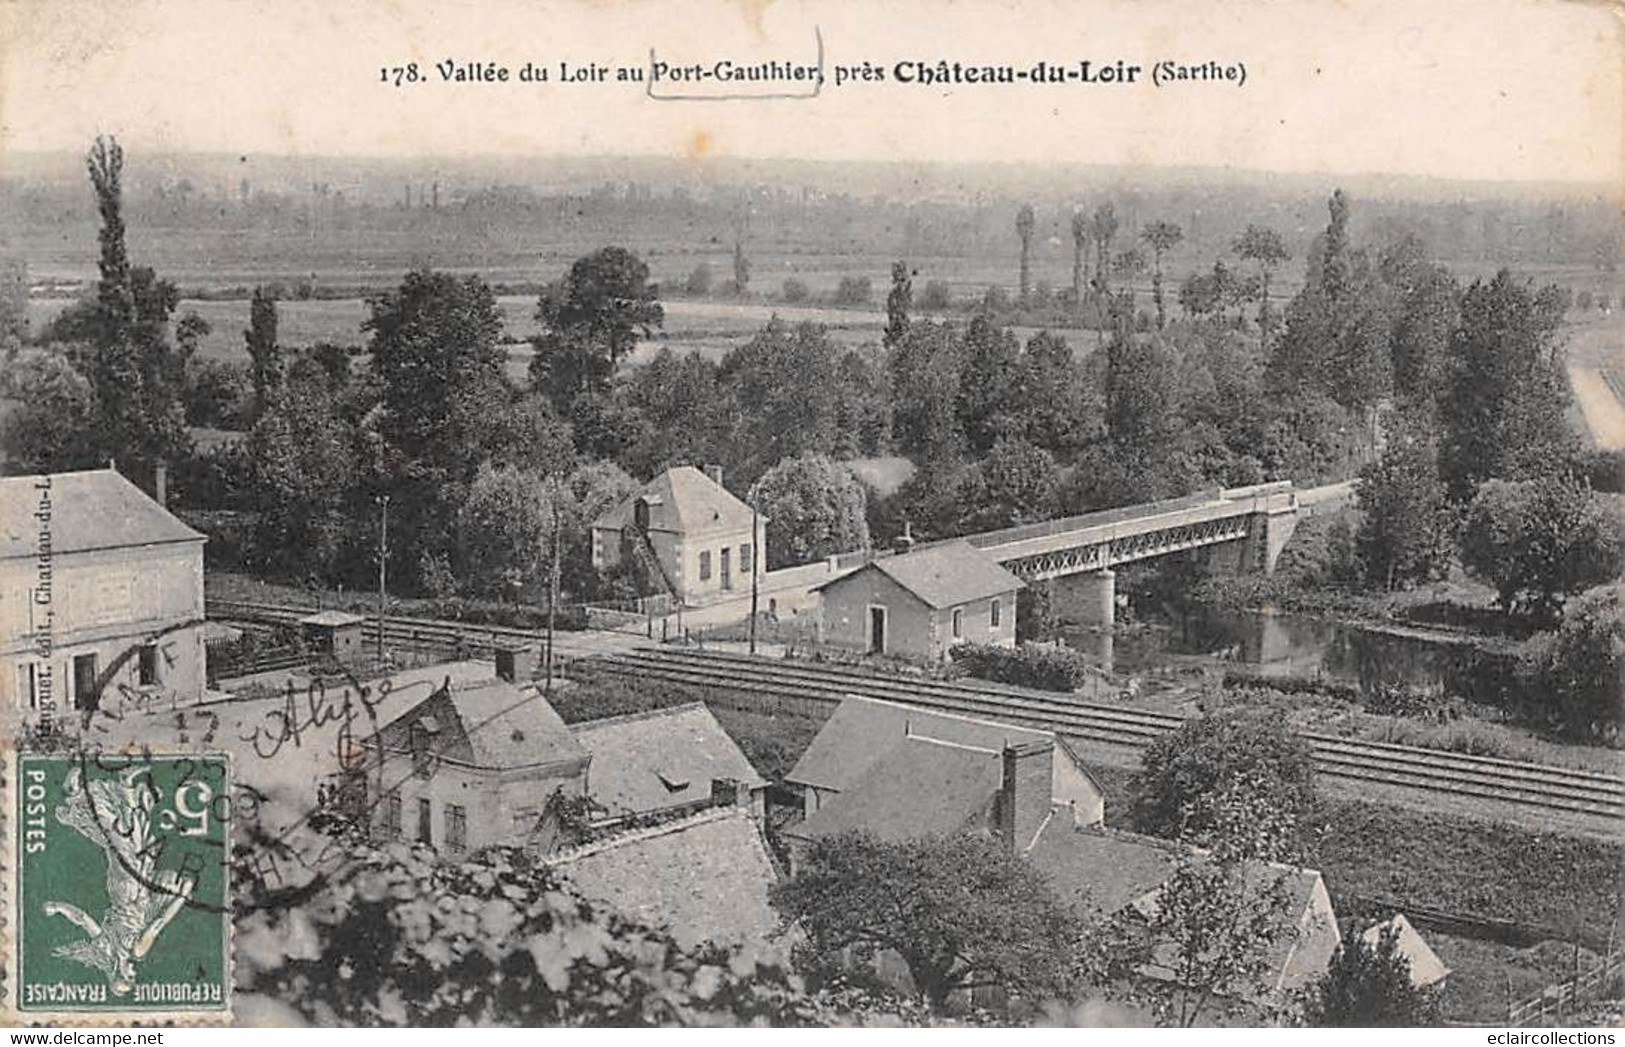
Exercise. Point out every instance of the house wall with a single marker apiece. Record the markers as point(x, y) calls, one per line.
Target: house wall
point(844, 616)
point(679, 556)
point(109, 603)
point(976, 625)
point(490, 798)
point(1072, 785)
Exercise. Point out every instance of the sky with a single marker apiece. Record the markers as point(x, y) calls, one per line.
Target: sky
point(1514, 90)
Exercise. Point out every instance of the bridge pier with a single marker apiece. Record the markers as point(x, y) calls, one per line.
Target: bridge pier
point(1088, 598)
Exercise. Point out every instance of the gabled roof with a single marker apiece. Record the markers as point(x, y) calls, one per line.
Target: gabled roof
point(862, 730)
point(682, 500)
point(94, 509)
point(922, 788)
point(1426, 967)
point(1111, 871)
point(941, 575)
point(703, 878)
point(491, 724)
point(652, 761)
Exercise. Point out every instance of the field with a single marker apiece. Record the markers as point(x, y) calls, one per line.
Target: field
point(1597, 373)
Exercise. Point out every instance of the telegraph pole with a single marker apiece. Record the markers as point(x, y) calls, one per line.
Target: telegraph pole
point(383, 566)
point(552, 588)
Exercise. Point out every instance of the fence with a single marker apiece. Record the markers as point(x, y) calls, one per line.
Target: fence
point(1555, 1000)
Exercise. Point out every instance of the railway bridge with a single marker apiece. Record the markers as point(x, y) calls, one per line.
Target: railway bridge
point(1250, 525)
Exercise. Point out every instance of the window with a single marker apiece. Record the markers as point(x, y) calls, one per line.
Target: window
point(392, 816)
point(147, 669)
point(425, 830)
point(993, 614)
point(745, 562)
point(456, 828)
point(27, 686)
point(959, 622)
point(727, 569)
point(705, 566)
point(84, 681)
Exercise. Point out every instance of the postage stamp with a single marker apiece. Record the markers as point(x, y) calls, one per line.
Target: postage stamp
point(120, 886)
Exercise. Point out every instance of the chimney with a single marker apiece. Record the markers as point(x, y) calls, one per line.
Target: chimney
point(715, 473)
point(725, 792)
point(905, 541)
point(1025, 790)
point(160, 484)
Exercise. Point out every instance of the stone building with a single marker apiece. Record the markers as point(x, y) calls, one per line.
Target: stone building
point(102, 591)
point(688, 532)
point(472, 766)
point(920, 604)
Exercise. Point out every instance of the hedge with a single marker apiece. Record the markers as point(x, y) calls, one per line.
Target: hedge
point(1050, 667)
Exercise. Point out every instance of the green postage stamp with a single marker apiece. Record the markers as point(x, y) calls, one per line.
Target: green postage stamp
point(120, 888)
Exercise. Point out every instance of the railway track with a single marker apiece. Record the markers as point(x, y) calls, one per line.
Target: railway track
point(407, 632)
point(1531, 786)
point(1378, 763)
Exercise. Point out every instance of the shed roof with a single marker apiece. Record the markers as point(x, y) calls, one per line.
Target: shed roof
point(941, 575)
point(651, 761)
point(923, 787)
point(703, 878)
point(93, 509)
point(1426, 966)
point(491, 724)
point(862, 730)
point(683, 500)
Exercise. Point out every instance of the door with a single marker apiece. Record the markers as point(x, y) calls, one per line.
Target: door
point(84, 681)
point(877, 630)
point(727, 569)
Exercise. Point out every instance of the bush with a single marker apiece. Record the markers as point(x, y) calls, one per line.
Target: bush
point(1577, 668)
point(796, 291)
point(1050, 667)
point(700, 279)
point(853, 290)
point(1236, 679)
point(936, 296)
point(1238, 783)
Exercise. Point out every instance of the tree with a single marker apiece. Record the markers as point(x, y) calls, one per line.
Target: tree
point(1015, 483)
point(898, 301)
point(1369, 985)
point(1264, 246)
point(1161, 237)
point(505, 533)
point(265, 355)
point(440, 367)
point(961, 912)
point(814, 508)
point(135, 376)
point(1214, 927)
point(1238, 784)
point(1578, 667)
point(400, 938)
point(1080, 247)
point(925, 370)
point(48, 427)
point(989, 401)
point(1536, 541)
point(1506, 396)
point(591, 322)
point(781, 396)
point(1139, 393)
point(700, 279)
point(1024, 230)
point(741, 270)
point(305, 474)
point(1405, 533)
point(1102, 230)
